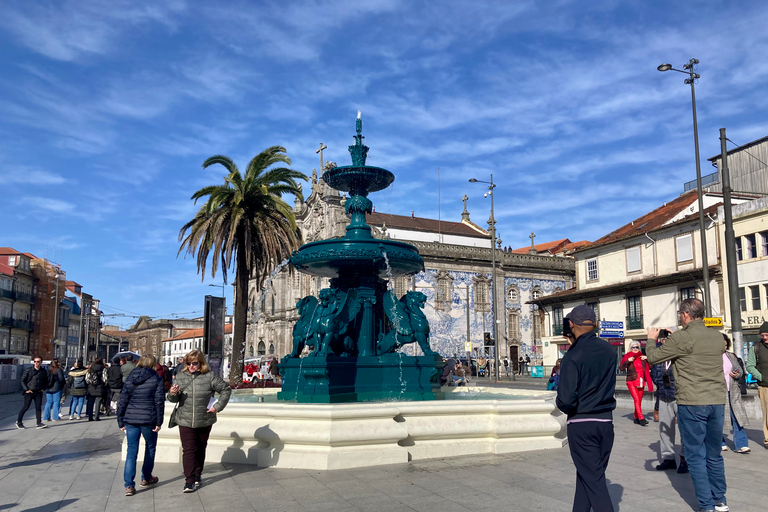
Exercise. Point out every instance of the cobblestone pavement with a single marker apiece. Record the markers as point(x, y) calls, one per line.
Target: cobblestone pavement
point(75, 465)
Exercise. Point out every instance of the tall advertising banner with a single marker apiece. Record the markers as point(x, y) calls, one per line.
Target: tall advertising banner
point(213, 331)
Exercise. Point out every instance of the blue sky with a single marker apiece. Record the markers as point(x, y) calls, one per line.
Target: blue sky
point(108, 109)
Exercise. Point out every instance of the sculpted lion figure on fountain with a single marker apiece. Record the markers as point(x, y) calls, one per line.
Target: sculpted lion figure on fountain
point(410, 323)
point(306, 326)
point(337, 312)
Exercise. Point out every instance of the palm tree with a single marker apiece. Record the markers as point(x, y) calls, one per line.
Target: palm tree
point(245, 222)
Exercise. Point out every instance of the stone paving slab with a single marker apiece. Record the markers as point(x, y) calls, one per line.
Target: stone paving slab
point(75, 465)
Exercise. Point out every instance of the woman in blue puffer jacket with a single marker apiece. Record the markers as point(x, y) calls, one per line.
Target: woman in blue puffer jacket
point(140, 414)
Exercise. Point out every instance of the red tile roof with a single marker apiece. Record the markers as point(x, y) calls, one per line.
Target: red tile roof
point(196, 333)
point(6, 269)
point(10, 251)
point(421, 224)
point(550, 247)
point(651, 221)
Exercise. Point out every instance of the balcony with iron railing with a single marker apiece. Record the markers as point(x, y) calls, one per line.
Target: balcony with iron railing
point(6, 321)
point(6, 294)
point(25, 297)
point(23, 324)
point(557, 329)
point(635, 322)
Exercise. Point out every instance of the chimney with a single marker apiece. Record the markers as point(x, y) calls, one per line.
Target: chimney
point(412, 214)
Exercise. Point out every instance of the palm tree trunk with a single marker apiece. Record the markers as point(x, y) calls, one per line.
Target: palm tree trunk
point(241, 317)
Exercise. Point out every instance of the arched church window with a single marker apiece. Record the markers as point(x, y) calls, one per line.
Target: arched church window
point(536, 293)
point(482, 287)
point(262, 349)
point(513, 294)
point(271, 348)
point(443, 292)
point(250, 351)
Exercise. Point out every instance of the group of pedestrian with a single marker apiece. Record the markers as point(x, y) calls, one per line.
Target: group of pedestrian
point(696, 377)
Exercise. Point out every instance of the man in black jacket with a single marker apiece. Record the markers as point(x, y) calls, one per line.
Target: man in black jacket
point(586, 395)
point(115, 382)
point(34, 382)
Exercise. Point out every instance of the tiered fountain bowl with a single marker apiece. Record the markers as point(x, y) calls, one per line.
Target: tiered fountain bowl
point(357, 325)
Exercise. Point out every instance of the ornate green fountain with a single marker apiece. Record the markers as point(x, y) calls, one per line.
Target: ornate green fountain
point(356, 326)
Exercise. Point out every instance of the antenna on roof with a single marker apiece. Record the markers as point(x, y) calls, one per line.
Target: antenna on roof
point(439, 236)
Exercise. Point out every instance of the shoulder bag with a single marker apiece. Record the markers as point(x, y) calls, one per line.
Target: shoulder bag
point(172, 422)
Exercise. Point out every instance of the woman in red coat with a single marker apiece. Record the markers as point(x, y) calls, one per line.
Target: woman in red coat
point(638, 377)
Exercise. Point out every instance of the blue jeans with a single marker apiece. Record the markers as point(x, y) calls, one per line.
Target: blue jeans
point(701, 431)
point(76, 405)
point(52, 402)
point(132, 434)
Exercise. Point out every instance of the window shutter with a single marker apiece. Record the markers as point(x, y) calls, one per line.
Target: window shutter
point(684, 246)
point(633, 259)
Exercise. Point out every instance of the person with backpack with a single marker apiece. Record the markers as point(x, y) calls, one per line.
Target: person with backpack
point(77, 388)
point(95, 378)
point(115, 382)
point(140, 414)
point(56, 382)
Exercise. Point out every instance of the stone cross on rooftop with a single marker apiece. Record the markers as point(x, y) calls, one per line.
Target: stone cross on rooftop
point(532, 250)
point(320, 151)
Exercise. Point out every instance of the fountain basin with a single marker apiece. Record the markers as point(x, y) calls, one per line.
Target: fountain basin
point(352, 178)
point(339, 436)
point(340, 257)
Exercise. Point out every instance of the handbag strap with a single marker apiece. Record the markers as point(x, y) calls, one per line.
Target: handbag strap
point(182, 389)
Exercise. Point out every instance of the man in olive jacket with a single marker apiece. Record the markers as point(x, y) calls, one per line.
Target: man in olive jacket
point(696, 353)
point(757, 365)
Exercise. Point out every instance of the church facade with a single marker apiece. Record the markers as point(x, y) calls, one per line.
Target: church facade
point(457, 280)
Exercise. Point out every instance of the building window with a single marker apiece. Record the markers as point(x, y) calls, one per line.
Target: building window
point(684, 247)
point(536, 293)
point(250, 351)
point(401, 286)
point(12, 262)
point(482, 294)
point(633, 259)
point(750, 251)
point(764, 243)
point(754, 291)
point(273, 304)
point(595, 307)
point(743, 298)
point(513, 323)
point(513, 294)
point(739, 253)
point(765, 294)
point(687, 293)
point(634, 312)
point(537, 324)
point(592, 269)
point(557, 321)
point(443, 292)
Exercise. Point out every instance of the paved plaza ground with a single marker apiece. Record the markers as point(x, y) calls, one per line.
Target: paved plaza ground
point(75, 465)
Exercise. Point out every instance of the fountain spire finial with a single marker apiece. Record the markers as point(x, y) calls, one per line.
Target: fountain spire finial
point(359, 151)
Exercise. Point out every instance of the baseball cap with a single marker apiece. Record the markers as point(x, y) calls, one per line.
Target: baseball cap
point(581, 315)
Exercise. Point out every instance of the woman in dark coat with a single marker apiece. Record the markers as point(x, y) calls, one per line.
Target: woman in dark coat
point(56, 381)
point(95, 390)
point(140, 414)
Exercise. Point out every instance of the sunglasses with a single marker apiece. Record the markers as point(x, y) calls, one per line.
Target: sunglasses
point(37, 361)
point(193, 363)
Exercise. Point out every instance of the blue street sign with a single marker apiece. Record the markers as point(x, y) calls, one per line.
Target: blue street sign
point(611, 325)
point(611, 334)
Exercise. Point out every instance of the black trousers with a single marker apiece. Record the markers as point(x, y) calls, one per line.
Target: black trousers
point(590, 443)
point(37, 396)
point(194, 441)
point(91, 403)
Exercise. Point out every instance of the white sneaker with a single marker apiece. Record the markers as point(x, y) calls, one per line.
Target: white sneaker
point(77, 416)
point(725, 448)
point(721, 507)
point(71, 417)
point(743, 449)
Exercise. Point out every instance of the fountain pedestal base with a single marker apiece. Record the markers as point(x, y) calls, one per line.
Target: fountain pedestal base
point(338, 379)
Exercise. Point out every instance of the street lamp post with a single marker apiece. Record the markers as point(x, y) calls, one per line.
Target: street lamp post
point(492, 226)
point(688, 69)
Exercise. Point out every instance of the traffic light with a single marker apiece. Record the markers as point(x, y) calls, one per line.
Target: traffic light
point(487, 341)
